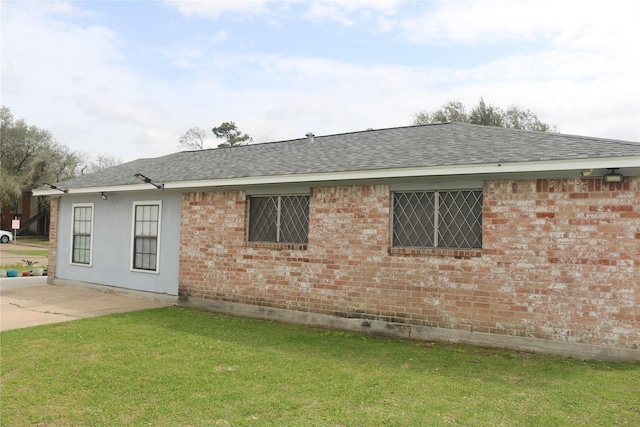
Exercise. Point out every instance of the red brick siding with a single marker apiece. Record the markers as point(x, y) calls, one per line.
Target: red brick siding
point(568, 255)
point(560, 261)
point(53, 239)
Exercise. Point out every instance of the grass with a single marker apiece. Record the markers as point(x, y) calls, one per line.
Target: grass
point(21, 266)
point(26, 253)
point(32, 241)
point(185, 367)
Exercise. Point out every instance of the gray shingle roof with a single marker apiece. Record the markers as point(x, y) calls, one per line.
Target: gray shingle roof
point(446, 144)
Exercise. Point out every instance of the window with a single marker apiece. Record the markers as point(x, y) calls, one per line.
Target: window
point(281, 219)
point(438, 219)
point(146, 233)
point(82, 234)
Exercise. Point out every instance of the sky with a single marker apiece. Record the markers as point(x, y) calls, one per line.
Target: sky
point(127, 78)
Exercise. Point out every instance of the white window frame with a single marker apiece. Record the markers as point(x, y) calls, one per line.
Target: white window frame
point(73, 234)
point(133, 235)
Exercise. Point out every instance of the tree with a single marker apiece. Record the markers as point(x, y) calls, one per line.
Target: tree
point(453, 111)
point(103, 161)
point(193, 139)
point(484, 114)
point(29, 156)
point(233, 136)
point(525, 119)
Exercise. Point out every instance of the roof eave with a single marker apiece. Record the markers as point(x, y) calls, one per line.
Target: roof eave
point(451, 170)
point(425, 171)
point(88, 190)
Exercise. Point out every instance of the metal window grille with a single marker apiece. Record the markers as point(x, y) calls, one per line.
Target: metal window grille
point(283, 219)
point(81, 251)
point(438, 219)
point(460, 224)
point(145, 242)
point(413, 219)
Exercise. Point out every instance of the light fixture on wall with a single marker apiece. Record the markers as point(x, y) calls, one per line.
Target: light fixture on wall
point(53, 187)
point(586, 172)
point(613, 177)
point(103, 196)
point(147, 180)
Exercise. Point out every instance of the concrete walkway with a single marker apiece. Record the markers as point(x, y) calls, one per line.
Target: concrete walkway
point(29, 301)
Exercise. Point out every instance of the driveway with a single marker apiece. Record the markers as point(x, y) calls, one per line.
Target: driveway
point(29, 301)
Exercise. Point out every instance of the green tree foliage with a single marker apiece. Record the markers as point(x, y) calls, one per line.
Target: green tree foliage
point(525, 119)
point(29, 156)
point(483, 114)
point(229, 131)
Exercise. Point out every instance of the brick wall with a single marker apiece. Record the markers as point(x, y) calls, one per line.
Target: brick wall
point(560, 262)
point(53, 239)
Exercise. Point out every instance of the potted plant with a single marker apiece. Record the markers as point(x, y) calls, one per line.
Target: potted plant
point(35, 271)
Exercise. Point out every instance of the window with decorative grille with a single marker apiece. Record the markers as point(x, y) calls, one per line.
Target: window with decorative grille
point(145, 238)
point(281, 219)
point(82, 231)
point(438, 219)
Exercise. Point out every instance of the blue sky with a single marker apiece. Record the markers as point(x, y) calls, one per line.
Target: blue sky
point(127, 78)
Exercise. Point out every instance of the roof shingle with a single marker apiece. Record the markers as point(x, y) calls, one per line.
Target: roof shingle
point(447, 144)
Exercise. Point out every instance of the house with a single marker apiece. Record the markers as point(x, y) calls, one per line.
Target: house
point(454, 232)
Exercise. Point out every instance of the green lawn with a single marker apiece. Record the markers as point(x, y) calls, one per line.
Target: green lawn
point(25, 254)
point(183, 367)
point(32, 241)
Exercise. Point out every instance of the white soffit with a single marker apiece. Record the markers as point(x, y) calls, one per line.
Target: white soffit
point(455, 170)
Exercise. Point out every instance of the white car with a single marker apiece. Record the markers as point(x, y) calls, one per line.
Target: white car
point(5, 236)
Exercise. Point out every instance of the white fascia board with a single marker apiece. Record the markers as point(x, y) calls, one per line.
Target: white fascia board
point(98, 190)
point(48, 192)
point(469, 169)
point(114, 189)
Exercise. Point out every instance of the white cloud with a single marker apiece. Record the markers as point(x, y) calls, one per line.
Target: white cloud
point(346, 13)
point(475, 22)
point(57, 73)
point(319, 11)
point(487, 22)
point(215, 8)
point(74, 79)
point(378, 15)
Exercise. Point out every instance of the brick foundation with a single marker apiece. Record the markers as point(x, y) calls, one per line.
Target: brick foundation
point(559, 262)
